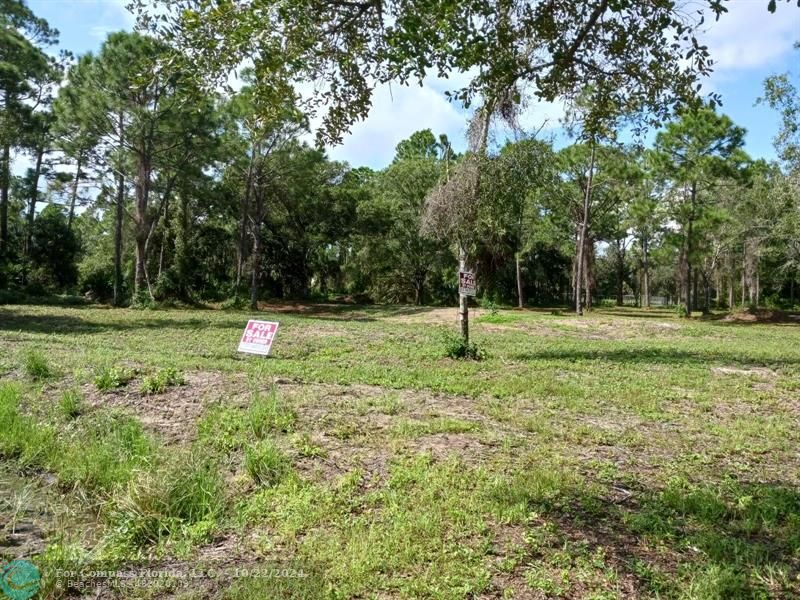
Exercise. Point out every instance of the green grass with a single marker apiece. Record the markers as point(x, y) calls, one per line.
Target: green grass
point(626, 453)
point(181, 499)
point(265, 463)
point(71, 404)
point(159, 382)
point(36, 366)
point(111, 378)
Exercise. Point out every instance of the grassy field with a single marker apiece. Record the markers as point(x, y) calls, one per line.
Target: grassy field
point(624, 454)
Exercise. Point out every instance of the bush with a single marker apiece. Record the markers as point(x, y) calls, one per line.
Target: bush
point(158, 383)
point(36, 366)
point(238, 302)
point(265, 463)
point(457, 348)
point(97, 280)
point(490, 305)
point(110, 378)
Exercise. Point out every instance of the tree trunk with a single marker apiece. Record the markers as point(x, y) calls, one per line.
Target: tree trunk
point(520, 293)
point(140, 282)
point(120, 211)
point(758, 287)
point(258, 218)
point(589, 281)
point(587, 196)
point(182, 247)
point(620, 272)
point(34, 198)
point(74, 195)
point(5, 181)
point(686, 256)
point(744, 287)
point(463, 299)
point(256, 270)
point(244, 210)
point(164, 238)
point(646, 272)
point(419, 289)
point(731, 292)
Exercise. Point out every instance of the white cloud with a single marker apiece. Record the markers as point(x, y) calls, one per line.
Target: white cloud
point(397, 112)
point(748, 36)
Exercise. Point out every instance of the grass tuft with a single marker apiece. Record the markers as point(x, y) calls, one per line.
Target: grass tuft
point(184, 497)
point(267, 414)
point(265, 463)
point(36, 366)
point(71, 404)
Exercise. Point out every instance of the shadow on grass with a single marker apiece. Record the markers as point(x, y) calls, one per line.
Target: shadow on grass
point(733, 540)
point(636, 313)
point(70, 324)
point(652, 356)
point(346, 312)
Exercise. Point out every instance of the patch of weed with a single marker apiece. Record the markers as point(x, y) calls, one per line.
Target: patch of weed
point(305, 446)
point(455, 347)
point(161, 381)
point(111, 378)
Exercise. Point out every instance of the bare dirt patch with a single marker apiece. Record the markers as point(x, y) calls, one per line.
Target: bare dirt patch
point(33, 510)
point(436, 315)
point(762, 372)
point(172, 414)
point(761, 315)
point(440, 446)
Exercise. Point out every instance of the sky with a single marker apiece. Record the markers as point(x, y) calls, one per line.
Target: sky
point(747, 44)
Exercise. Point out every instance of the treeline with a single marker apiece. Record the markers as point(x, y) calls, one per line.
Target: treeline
point(145, 187)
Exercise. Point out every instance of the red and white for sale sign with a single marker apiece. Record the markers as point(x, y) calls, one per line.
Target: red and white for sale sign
point(257, 337)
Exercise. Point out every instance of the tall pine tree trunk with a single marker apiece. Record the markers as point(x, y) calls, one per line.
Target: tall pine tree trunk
point(119, 213)
point(686, 256)
point(520, 292)
point(33, 199)
point(182, 248)
point(244, 213)
point(256, 270)
point(584, 228)
point(5, 181)
point(620, 264)
point(118, 218)
point(589, 281)
point(256, 252)
point(646, 272)
point(74, 194)
point(140, 282)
